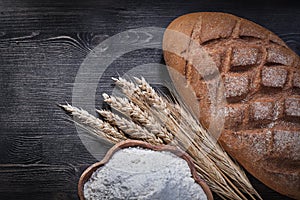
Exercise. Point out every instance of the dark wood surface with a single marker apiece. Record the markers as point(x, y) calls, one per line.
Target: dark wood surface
point(42, 45)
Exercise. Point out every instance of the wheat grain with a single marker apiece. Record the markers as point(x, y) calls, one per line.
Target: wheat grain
point(134, 131)
point(139, 95)
point(94, 124)
point(142, 117)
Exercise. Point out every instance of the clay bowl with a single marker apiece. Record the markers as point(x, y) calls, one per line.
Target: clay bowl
point(135, 143)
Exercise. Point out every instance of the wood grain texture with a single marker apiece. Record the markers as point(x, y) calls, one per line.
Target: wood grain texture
point(42, 45)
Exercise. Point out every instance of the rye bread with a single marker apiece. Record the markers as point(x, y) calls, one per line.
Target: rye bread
point(261, 79)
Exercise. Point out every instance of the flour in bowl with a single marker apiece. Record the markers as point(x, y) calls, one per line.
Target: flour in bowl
point(143, 174)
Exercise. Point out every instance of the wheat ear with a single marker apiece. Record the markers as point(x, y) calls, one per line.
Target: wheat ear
point(134, 131)
point(94, 124)
point(139, 116)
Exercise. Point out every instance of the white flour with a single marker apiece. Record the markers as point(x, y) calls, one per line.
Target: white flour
point(135, 173)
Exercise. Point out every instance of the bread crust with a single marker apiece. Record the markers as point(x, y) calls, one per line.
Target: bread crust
point(261, 78)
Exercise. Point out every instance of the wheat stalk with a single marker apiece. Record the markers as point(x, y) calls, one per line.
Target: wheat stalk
point(155, 119)
point(215, 151)
point(176, 113)
point(210, 171)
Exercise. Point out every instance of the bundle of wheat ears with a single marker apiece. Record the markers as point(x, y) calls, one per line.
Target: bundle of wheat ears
point(145, 115)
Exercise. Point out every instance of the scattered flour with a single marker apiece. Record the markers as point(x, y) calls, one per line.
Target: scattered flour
point(135, 173)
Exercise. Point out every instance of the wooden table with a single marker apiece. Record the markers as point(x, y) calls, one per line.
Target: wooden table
point(42, 46)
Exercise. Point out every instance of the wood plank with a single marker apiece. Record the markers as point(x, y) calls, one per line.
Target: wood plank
point(113, 16)
point(39, 178)
point(59, 195)
point(47, 149)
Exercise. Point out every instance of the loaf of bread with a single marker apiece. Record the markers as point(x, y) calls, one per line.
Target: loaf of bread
point(261, 80)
